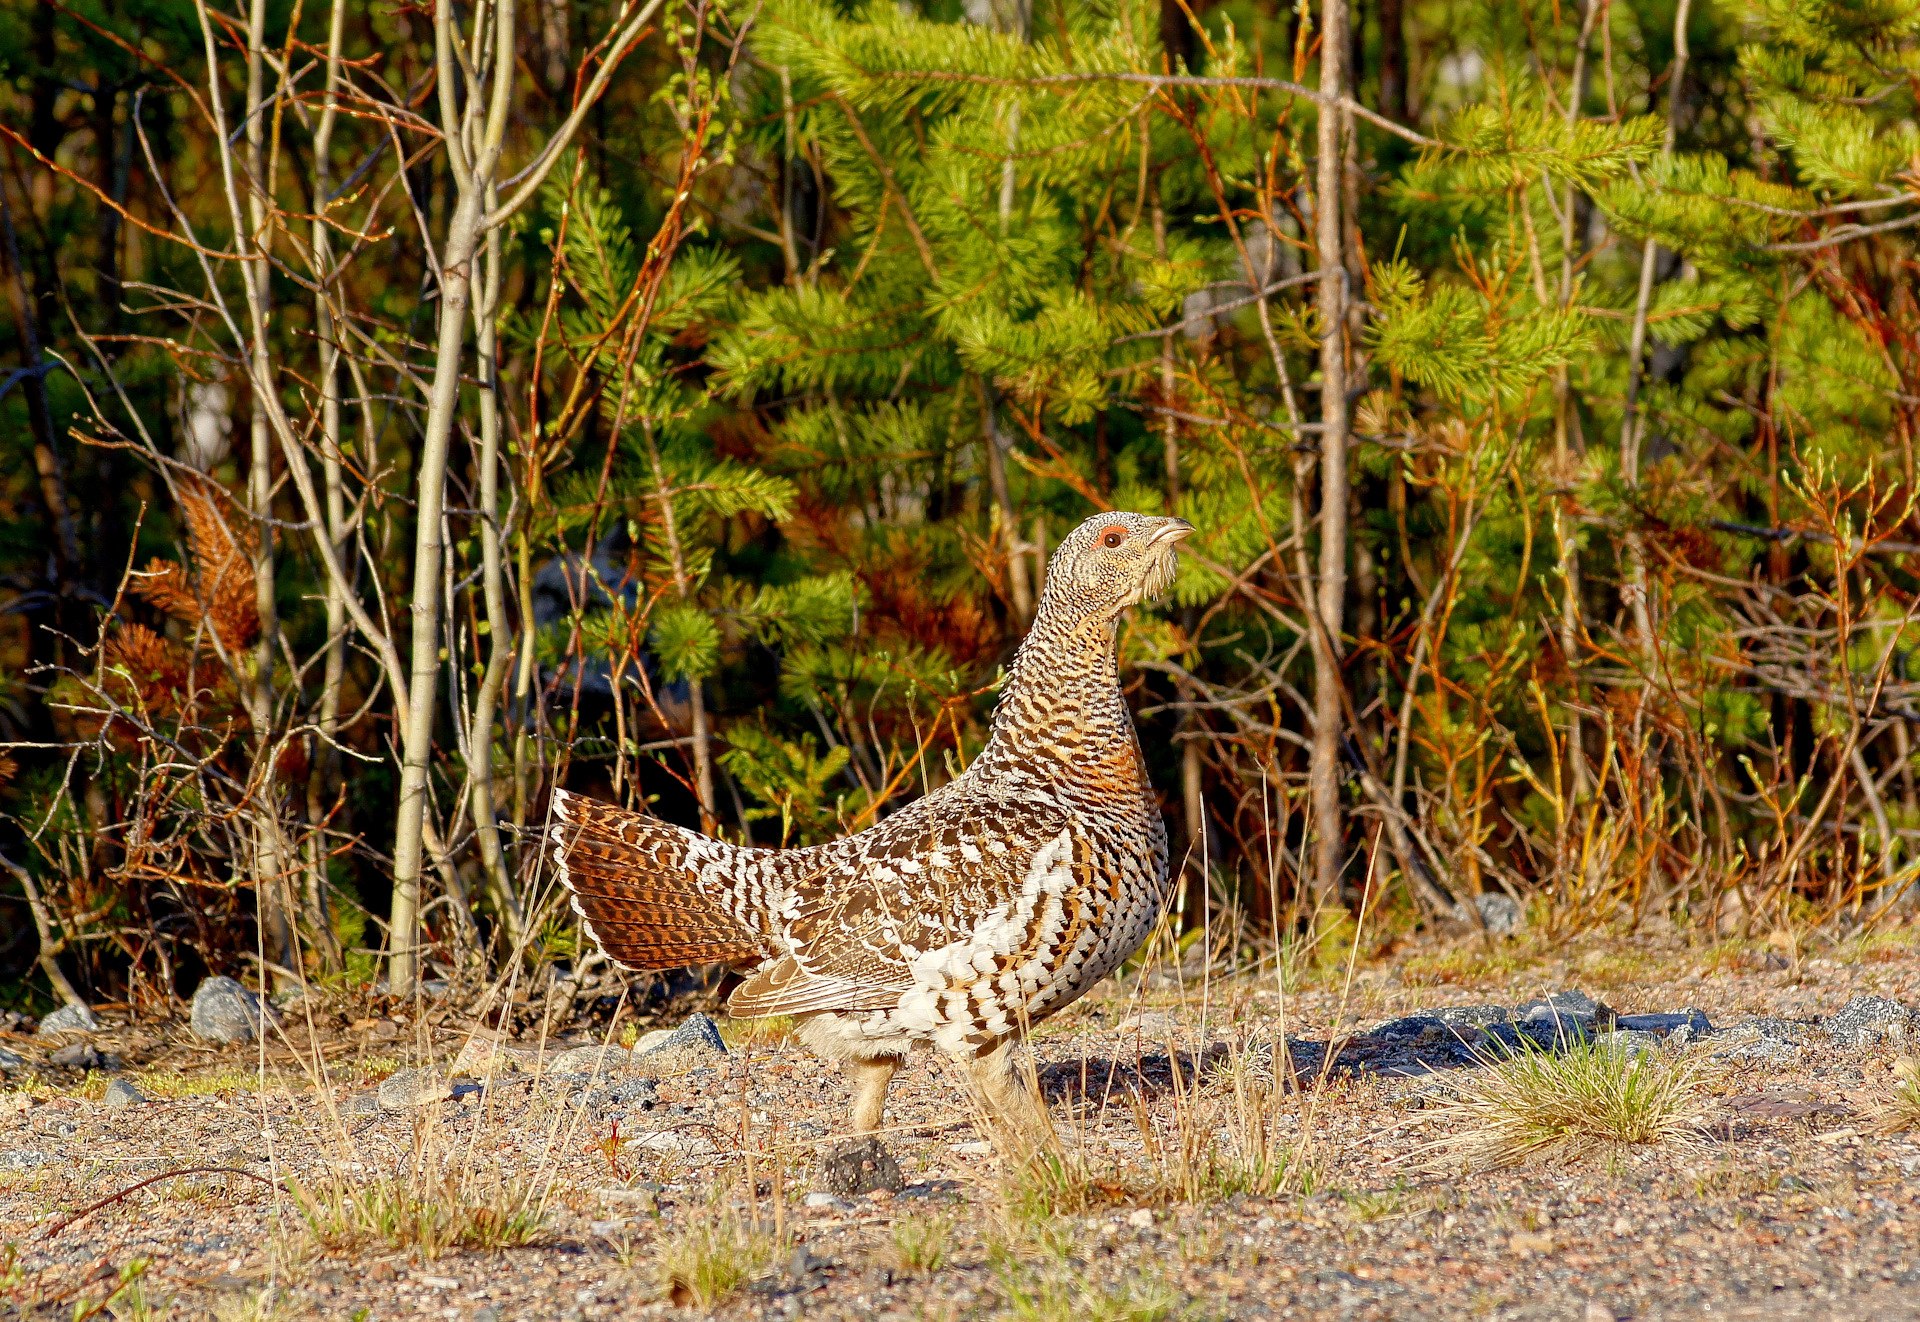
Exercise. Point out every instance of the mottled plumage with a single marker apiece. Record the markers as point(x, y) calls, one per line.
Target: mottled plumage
point(966, 917)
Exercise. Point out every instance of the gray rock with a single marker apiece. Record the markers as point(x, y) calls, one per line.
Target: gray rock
point(697, 1034)
point(407, 1090)
point(1764, 1041)
point(26, 1159)
point(603, 1061)
point(1499, 912)
point(1575, 1005)
point(78, 1056)
point(616, 1098)
point(1635, 1042)
point(121, 1094)
point(224, 1011)
point(74, 1018)
point(1471, 1016)
point(1683, 1025)
point(860, 1166)
point(362, 1103)
point(11, 1063)
point(1869, 1020)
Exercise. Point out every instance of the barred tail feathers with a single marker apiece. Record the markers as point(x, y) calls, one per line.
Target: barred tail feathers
point(652, 895)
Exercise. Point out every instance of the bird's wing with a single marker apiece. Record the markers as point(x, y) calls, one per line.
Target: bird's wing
point(928, 899)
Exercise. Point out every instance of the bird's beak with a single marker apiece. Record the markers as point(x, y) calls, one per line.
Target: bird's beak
point(1171, 530)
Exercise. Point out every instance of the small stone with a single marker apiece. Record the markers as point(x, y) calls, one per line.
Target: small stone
point(1631, 1041)
point(1869, 1020)
point(1499, 912)
point(1471, 1016)
point(480, 1056)
point(819, 1200)
point(663, 1053)
point(698, 1033)
point(224, 1011)
point(26, 1159)
point(591, 1060)
point(860, 1166)
point(408, 1090)
point(78, 1056)
point(1152, 1026)
point(11, 1063)
point(973, 1148)
point(74, 1018)
point(621, 1095)
point(121, 1094)
point(362, 1103)
point(1141, 1218)
point(1685, 1025)
point(1576, 1005)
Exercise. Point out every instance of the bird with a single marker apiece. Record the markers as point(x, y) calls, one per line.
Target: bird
point(963, 919)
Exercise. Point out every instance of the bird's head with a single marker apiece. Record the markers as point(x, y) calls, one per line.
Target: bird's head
point(1111, 562)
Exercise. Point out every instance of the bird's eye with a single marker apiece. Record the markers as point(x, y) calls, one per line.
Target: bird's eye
point(1113, 537)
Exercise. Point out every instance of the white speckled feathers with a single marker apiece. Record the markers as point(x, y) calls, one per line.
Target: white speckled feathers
point(971, 913)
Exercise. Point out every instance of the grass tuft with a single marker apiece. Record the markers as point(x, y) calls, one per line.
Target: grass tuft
point(1900, 1110)
point(1062, 1294)
point(922, 1243)
point(424, 1211)
point(708, 1261)
point(1538, 1102)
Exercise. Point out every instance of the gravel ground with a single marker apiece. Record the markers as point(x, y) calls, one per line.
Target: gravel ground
point(1786, 1202)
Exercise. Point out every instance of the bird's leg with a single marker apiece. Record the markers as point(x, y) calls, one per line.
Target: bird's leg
point(1007, 1100)
point(870, 1079)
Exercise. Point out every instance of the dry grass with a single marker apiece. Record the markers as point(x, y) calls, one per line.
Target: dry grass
point(1899, 1111)
point(429, 1216)
point(708, 1260)
point(1537, 1102)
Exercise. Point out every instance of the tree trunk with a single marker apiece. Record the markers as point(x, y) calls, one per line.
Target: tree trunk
point(486, 821)
point(1391, 16)
point(424, 645)
point(270, 873)
point(1328, 720)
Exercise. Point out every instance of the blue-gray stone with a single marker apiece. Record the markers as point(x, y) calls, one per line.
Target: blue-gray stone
point(698, 1033)
point(74, 1018)
point(224, 1011)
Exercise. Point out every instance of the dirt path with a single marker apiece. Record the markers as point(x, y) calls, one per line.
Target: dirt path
point(1786, 1203)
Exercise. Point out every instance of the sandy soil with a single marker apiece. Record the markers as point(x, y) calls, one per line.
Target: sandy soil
point(1786, 1202)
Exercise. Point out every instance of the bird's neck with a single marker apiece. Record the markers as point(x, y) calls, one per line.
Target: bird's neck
point(1062, 703)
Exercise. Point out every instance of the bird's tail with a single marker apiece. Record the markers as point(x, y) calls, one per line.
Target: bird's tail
point(655, 896)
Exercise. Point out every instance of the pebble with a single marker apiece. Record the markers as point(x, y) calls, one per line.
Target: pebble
point(818, 1201)
point(592, 1060)
point(408, 1090)
point(121, 1094)
point(976, 1148)
point(10, 1062)
point(26, 1159)
point(1500, 912)
point(75, 1018)
point(1141, 1218)
point(481, 1056)
point(224, 1011)
point(1152, 1025)
point(79, 1056)
point(682, 1049)
point(1634, 1042)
